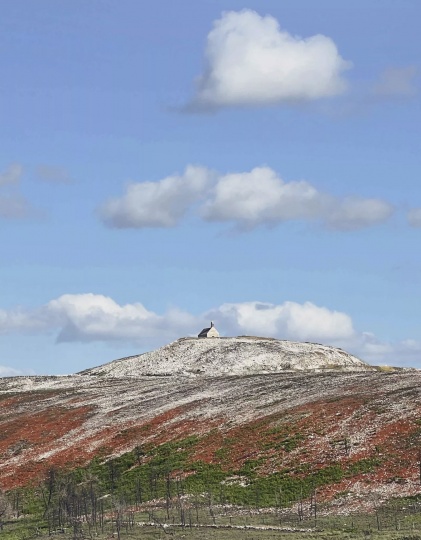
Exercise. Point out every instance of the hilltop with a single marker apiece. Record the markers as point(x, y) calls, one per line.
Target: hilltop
point(243, 355)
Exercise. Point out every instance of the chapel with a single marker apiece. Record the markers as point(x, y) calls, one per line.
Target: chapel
point(210, 332)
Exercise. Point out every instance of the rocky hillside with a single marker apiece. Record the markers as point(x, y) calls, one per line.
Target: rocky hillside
point(244, 355)
point(295, 410)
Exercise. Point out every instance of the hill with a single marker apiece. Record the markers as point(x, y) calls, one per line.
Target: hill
point(256, 410)
point(244, 355)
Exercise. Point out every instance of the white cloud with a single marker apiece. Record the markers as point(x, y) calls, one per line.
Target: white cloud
point(290, 320)
point(246, 199)
point(414, 217)
point(93, 317)
point(357, 213)
point(262, 197)
point(396, 82)
point(251, 61)
point(97, 318)
point(157, 204)
point(12, 175)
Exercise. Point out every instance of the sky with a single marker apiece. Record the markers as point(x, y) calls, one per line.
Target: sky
point(164, 164)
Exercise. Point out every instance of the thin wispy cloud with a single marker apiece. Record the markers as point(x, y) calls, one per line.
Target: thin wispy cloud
point(414, 217)
point(393, 85)
point(12, 175)
point(54, 175)
point(13, 204)
point(396, 82)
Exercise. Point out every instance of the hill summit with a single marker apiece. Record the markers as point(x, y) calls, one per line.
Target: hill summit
point(243, 355)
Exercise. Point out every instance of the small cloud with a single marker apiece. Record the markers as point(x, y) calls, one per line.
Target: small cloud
point(414, 217)
point(157, 204)
point(12, 175)
point(396, 82)
point(250, 61)
point(54, 175)
point(356, 213)
point(13, 204)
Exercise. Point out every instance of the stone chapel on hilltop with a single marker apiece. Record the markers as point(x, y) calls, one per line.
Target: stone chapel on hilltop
point(211, 332)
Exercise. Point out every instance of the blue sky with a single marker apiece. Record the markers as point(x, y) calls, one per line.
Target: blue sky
point(164, 163)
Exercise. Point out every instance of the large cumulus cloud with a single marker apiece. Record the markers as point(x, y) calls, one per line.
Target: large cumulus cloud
point(250, 60)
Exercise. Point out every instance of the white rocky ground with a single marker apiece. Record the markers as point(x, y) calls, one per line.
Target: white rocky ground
point(244, 355)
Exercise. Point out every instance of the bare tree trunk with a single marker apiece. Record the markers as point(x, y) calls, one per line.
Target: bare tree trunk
point(210, 504)
point(168, 495)
point(315, 507)
point(419, 464)
point(118, 523)
point(196, 504)
point(138, 492)
point(300, 507)
point(181, 503)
